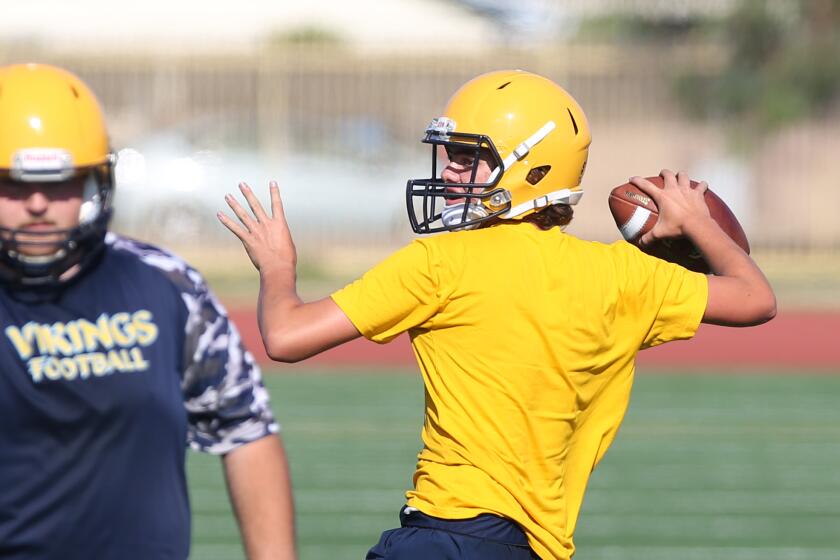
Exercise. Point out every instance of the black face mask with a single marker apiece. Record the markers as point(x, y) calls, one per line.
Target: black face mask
point(426, 199)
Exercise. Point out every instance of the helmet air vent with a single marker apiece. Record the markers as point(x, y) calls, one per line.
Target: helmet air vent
point(574, 122)
point(75, 92)
point(504, 85)
point(536, 174)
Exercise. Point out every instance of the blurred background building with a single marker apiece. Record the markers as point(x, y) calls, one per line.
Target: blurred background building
point(331, 98)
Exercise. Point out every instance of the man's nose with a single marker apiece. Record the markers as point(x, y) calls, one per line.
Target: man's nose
point(37, 202)
point(451, 174)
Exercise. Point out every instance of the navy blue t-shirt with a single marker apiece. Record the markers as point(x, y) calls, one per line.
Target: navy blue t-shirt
point(103, 383)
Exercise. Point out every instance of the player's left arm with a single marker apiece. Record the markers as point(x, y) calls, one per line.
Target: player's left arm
point(291, 329)
point(257, 476)
point(229, 414)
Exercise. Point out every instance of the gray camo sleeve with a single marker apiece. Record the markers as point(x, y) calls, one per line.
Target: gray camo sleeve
point(226, 402)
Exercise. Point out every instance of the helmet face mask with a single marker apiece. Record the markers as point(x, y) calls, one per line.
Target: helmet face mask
point(434, 206)
point(52, 136)
point(532, 133)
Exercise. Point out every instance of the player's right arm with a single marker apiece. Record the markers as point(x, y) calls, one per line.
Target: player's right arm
point(291, 329)
point(739, 293)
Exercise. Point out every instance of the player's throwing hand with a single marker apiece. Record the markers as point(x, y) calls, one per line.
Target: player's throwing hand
point(677, 201)
point(267, 239)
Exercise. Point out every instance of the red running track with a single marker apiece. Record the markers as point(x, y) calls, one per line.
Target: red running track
point(791, 340)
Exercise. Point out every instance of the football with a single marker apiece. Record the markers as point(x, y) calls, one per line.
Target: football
point(635, 214)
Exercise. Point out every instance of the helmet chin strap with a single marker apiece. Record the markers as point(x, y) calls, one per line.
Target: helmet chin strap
point(522, 150)
point(563, 196)
point(39, 260)
point(454, 214)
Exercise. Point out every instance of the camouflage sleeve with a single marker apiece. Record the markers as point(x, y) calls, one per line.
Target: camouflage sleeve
point(227, 404)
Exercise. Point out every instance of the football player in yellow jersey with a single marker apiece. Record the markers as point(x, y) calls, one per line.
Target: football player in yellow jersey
point(525, 336)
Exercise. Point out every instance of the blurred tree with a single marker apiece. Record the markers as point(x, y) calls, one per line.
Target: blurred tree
point(784, 65)
point(305, 35)
point(637, 27)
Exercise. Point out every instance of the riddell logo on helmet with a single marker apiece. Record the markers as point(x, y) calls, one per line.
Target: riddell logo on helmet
point(42, 159)
point(39, 157)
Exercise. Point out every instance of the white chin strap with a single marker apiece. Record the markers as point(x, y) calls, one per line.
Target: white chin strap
point(519, 152)
point(39, 260)
point(563, 196)
point(454, 214)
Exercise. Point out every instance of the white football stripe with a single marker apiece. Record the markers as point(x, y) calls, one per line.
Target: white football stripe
point(634, 225)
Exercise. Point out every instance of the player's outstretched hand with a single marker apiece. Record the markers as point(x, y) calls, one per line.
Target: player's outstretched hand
point(267, 239)
point(678, 203)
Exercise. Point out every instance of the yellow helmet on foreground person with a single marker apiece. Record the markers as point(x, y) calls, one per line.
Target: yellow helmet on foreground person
point(52, 132)
point(535, 136)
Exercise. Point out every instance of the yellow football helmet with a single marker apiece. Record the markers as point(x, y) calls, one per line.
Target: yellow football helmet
point(52, 130)
point(533, 132)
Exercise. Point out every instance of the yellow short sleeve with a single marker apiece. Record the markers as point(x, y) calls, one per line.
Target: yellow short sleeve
point(665, 296)
point(397, 294)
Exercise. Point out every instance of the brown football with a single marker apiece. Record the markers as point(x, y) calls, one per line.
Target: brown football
point(635, 214)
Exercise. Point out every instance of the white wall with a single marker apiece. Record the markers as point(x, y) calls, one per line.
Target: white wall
point(202, 26)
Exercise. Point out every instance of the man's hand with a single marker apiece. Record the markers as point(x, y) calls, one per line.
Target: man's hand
point(267, 239)
point(739, 294)
point(679, 204)
point(291, 329)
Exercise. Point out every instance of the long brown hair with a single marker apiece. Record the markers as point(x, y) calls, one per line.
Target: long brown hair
point(551, 216)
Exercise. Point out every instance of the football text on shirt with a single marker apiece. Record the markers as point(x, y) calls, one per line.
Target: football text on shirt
point(80, 349)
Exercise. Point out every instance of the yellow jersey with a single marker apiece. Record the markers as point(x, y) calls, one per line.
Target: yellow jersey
point(526, 341)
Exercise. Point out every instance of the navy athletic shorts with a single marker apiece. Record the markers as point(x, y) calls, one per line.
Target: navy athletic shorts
point(423, 537)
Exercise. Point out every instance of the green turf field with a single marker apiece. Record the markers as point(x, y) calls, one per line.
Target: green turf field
point(706, 467)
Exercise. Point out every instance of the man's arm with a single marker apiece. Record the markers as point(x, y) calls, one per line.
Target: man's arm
point(739, 294)
point(291, 329)
point(257, 476)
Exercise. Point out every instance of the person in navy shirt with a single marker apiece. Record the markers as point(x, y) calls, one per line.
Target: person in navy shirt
point(114, 357)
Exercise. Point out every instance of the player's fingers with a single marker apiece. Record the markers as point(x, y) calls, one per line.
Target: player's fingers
point(646, 187)
point(253, 202)
point(702, 187)
point(646, 239)
point(683, 180)
point(669, 179)
point(240, 212)
point(277, 211)
point(234, 228)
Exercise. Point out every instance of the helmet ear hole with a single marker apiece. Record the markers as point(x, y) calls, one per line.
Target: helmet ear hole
point(537, 174)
